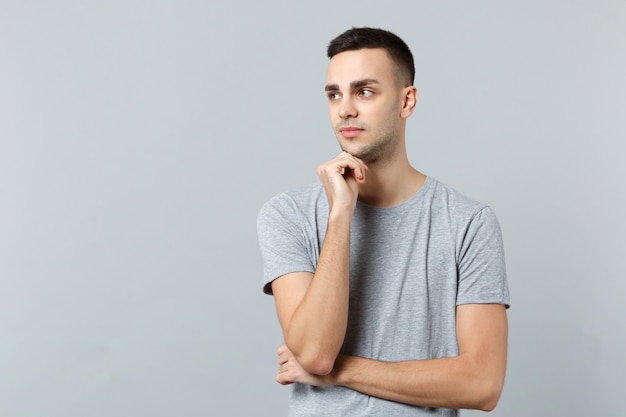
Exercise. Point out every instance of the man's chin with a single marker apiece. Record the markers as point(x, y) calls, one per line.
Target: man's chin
point(352, 148)
point(362, 154)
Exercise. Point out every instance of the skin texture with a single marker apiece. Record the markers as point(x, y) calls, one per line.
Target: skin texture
point(368, 109)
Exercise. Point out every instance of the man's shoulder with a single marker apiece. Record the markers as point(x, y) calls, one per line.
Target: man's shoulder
point(451, 205)
point(452, 200)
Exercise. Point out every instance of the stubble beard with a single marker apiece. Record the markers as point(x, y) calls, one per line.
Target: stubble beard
point(381, 148)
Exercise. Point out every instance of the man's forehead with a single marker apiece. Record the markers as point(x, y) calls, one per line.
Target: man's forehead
point(352, 66)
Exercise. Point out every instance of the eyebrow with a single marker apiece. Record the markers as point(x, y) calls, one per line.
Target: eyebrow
point(353, 85)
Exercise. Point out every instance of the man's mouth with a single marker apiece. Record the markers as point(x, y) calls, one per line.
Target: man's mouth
point(350, 131)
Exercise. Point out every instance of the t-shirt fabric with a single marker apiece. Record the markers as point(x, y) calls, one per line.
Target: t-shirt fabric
point(410, 266)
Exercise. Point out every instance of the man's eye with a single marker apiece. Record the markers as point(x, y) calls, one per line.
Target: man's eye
point(333, 96)
point(366, 92)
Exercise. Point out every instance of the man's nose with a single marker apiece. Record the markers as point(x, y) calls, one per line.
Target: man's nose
point(347, 109)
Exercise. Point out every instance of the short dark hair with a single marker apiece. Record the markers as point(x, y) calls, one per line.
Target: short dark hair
point(371, 38)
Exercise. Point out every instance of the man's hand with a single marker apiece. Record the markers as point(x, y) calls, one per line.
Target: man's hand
point(290, 371)
point(341, 177)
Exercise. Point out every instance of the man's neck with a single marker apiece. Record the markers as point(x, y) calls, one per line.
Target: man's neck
point(389, 185)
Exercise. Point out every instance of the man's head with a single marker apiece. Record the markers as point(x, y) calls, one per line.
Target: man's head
point(370, 95)
point(370, 38)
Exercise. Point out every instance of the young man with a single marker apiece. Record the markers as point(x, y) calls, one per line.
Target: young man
point(390, 287)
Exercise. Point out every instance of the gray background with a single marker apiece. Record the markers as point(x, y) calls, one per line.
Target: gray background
point(138, 140)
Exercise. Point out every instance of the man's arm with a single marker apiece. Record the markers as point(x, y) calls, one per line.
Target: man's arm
point(474, 379)
point(313, 308)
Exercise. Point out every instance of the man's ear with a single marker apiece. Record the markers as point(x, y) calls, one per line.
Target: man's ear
point(409, 100)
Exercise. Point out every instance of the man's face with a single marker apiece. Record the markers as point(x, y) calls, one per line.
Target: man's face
point(365, 103)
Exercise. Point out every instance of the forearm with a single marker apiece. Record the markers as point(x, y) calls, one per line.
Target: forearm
point(317, 327)
point(457, 382)
point(473, 379)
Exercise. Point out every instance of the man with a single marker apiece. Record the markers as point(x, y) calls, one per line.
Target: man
point(390, 287)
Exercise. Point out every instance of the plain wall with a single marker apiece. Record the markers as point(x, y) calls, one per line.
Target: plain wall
point(138, 139)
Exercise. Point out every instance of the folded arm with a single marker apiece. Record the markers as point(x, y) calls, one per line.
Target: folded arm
point(473, 379)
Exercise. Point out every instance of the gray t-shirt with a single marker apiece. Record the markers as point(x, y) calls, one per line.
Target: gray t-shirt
point(410, 266)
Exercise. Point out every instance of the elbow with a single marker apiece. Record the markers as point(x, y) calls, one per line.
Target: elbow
point(489, 397)
point(317, 364)
point(315, 358)
point(489, 405)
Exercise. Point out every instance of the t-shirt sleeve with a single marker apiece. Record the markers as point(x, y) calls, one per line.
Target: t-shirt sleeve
point(282, 240)
point(481, 270)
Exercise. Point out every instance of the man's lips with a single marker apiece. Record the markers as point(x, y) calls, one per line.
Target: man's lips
point(349, 131)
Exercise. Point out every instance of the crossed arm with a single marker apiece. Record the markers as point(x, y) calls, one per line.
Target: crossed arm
point(474, 379)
